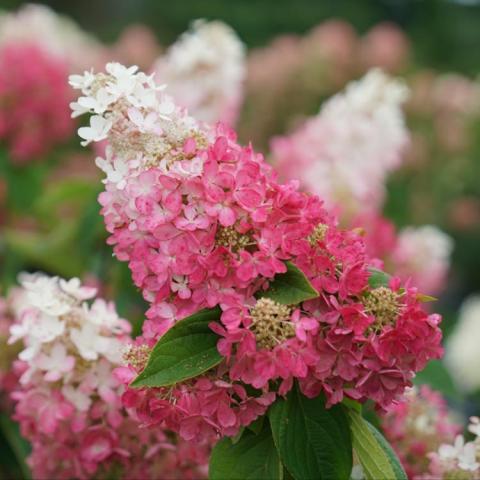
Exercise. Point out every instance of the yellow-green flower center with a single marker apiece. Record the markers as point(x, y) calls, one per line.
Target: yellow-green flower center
point(230, 238)
point(318, 234)
point(271, 323)
point(382, 303)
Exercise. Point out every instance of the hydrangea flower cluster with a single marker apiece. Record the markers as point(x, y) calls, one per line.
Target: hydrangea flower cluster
point(205, 70)
point(458, 459)
point(203, 222)
point(34, 99)
point(68, 402)
point(419, 425)
point(462, 355)
point(345, 152)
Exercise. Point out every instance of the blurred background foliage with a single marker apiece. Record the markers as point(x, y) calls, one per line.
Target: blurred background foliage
point(445, 33)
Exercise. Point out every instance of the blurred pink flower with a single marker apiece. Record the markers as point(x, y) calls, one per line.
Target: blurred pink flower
point(385, 46)
point(34, 101)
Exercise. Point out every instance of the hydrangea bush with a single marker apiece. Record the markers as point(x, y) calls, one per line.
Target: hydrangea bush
point(258, 299)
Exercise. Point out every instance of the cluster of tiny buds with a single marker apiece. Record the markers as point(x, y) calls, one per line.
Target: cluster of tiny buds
point(271, 323)
point(137, 356)
point(318, 234)
point(382, 303)
point(230, 238)
point(154, 147)
point(99, 80)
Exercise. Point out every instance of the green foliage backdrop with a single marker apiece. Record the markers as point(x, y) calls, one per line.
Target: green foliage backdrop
point(445, 33)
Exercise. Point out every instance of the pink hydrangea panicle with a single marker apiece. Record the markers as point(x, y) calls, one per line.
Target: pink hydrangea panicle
point(463, 95)
point(68, 401)
point(204, 222)
point(137, 43)
point(34, 101)
point(38, 49)
point(334, 41)
point(385, 46)
point(344, 153)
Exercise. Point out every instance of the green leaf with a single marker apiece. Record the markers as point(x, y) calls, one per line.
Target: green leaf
point(286, 475)
point(50, 251)
point(350, 403)
point(378, 278)
point(24, 182)
point(257, 425)
point(187, 350)
point(18, 445)
point(375, 454)
point(73, 193)
point(253, 457)
point(421, 297)
point(313, 441)
point(235, 439)
point(290, 288)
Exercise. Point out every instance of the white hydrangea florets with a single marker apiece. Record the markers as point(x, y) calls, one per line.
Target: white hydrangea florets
point(451, 461)
point(61, 331)
point(142, 123)
point(371, 104)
